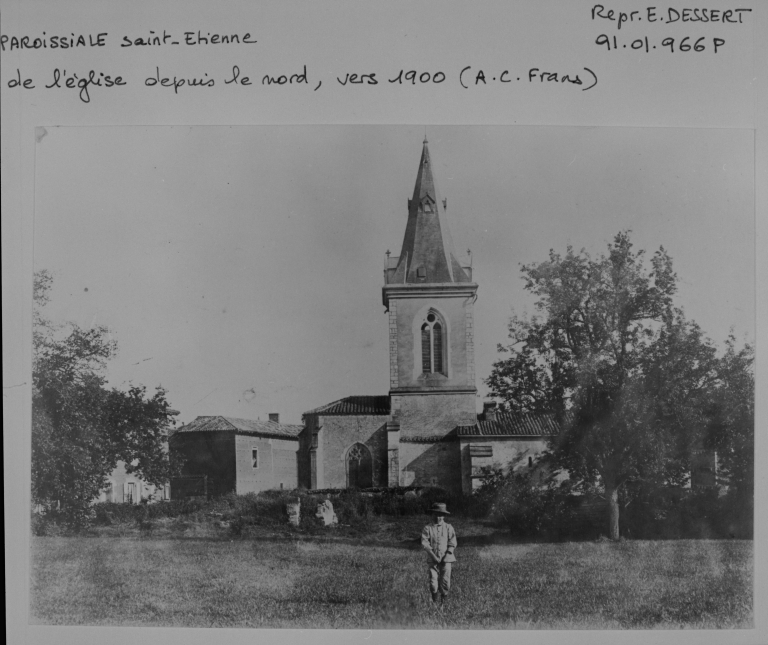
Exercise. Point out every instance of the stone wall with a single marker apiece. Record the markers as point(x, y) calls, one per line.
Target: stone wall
point(432, 413)
point(504, 452)
point(337, 435)
point(277, 463)
point(409, 313)
point(434, 463)
point(286, 473)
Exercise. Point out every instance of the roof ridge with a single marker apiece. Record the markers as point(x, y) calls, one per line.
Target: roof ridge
point(267, 421)
point(220, 423)
point(527, 414)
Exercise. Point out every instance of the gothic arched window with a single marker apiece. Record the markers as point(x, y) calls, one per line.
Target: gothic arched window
point(359, 467)
point(432, 345)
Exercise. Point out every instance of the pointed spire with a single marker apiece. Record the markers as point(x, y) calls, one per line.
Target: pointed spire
point(425, 183)
point(428, 255)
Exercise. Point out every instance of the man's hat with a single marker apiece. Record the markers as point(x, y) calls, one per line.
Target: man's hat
point(438, 509)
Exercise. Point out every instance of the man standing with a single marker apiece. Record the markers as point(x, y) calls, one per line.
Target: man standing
point(439, 541)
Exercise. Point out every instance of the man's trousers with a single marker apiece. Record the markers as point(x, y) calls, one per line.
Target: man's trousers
point(440, 578)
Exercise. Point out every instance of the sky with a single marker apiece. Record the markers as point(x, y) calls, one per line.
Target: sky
point(241, 267)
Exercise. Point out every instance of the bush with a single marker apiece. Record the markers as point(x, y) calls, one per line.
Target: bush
point(737, 512)
point(673, 513)
point(237, 525)
point(532, 507)
point(43, 525)
point(68, 521)
point(259, 508)
point(354, 507)
point(554, 510)
point(146, 526)
point(111, 513)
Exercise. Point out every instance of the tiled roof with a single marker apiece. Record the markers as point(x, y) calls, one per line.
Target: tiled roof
point(511, 424)
point(245, 426)
point(375, 405)
point(428, 438)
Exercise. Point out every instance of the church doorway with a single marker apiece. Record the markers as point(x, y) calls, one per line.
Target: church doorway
point(359, 467)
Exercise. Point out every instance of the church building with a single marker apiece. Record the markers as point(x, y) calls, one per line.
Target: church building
point(426, 430)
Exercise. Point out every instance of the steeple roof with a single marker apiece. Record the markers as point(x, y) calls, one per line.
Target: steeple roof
point(428, 255)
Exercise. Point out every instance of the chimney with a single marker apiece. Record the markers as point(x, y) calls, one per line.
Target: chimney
point(489, 410)
point(274, 416)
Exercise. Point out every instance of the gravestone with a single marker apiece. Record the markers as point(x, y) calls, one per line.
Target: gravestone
point(294, 512)
point(326, 513)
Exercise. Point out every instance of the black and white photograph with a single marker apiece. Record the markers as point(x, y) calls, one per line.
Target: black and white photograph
point(425, 376)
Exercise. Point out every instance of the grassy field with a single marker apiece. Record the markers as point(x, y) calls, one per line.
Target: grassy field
point(271, 580)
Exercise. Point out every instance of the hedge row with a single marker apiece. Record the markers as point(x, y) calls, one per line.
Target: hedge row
point(268, 508)
point(526, 510)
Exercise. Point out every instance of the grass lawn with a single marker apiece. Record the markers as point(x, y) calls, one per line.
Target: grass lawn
point(278, 580)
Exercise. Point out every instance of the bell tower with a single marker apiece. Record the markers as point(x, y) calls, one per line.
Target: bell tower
point(429, 296)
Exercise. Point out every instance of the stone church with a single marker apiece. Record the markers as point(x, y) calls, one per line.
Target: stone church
point(426, 430)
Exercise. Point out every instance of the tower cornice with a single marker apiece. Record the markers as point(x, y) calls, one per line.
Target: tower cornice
point(421, 391)
point(442, 289)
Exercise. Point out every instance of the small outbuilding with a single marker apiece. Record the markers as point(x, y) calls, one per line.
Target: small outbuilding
point(230, 455)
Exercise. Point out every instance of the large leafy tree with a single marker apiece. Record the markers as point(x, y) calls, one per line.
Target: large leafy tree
point(80, 427)
point(624, 371)
point(730, 422)
point(680, 371)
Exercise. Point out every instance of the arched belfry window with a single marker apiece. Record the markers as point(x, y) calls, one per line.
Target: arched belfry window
point(433, 344)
